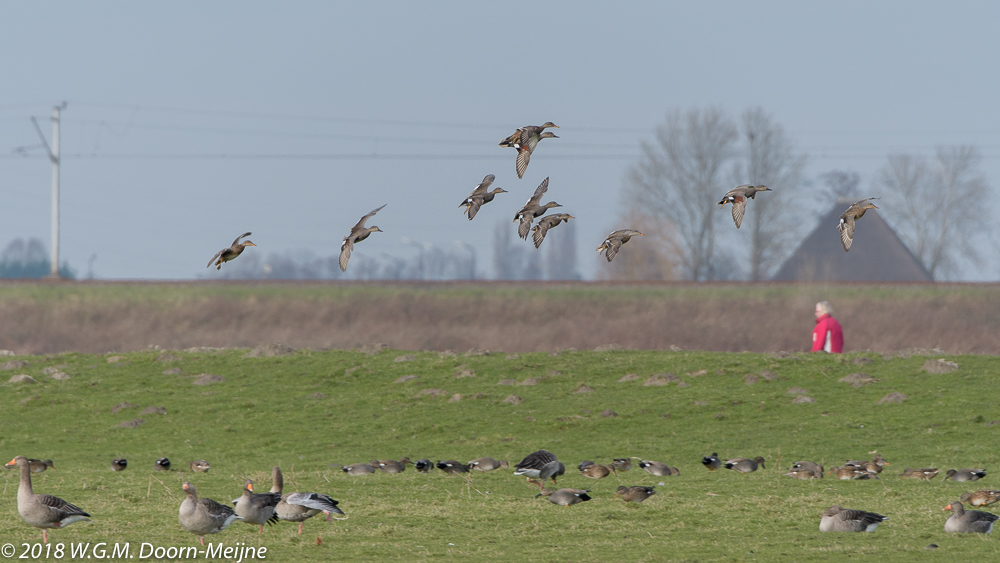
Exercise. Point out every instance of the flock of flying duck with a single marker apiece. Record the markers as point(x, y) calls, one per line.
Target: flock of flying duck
point(203, 516)
point(524, 140)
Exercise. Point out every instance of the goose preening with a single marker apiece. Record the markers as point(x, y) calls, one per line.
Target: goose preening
point(299, 507)
point(227, 254)
point(738, 197)
point(42, 511)
point(839, 519)
point(202, 516)
point(359, 232)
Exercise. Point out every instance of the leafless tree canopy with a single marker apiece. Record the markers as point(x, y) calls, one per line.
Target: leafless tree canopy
point(935, 205)
point(679, 179)
point(699, 155)
point(769, 159)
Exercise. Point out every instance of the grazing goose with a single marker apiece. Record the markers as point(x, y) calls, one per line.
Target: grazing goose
point(533, 208)
point(257, 508)
point(203, 516)
point(227, 254)
point(615, 241)
point(39, 465)
point(358, 233)
point(565, 497)
point(452, 467)
point(162, 464)
point(852, 473)
point(925, 474)
point(488, 464)
point(424, 465)
point(839, 519)
point(635, 494)
point(541, 465)
point(480, 197)
point(546, 223)
point(390, 465)
point(622, 464)
point(358, 469)
point(119, 464)
point(525, 139)
point(982, 497)
point(853, 213)
point(595, 471)
point(962, 521)
point(711, 462)
point(299, 507)
point(745, 465)
point(738, 197)
point(965, 474)
point(200, 466)
point(42, 511)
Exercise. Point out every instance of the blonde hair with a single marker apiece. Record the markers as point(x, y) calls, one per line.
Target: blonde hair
point(825, 307)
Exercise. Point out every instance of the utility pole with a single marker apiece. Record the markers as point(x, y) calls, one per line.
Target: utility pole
point(54, 157)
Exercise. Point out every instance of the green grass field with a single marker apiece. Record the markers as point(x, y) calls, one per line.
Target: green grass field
point(310, 409)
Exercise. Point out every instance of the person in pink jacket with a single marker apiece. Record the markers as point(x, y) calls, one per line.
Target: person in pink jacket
point(827, 336)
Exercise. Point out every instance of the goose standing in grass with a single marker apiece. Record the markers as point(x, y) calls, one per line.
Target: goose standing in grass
point(480, 196)
point(42, 511)
point(546, 223)
point(635, 494)
point(564, 497)
point(525, 139)
point(595, 471)
point(488, 464)
point(227, 254)
point(533, 208)
point(965, 475)
point(390, 465)
point(738, 197)
point(358, 233)
point(119, 464)
point(982, 497)
point(711, 462)
point(853, 213)
point(257, 508)
point(839, 519)
point(745, 465)
point(964, 521)
point(203, 516)
point(615, 241)
point(162, 464)
point(541, 465)
point(299, 507)
point(925, 474)
point(200, 466)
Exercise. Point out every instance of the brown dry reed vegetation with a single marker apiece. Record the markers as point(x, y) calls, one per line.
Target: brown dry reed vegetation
point(37, 318)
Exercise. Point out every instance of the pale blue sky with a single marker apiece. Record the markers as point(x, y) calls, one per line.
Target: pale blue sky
point(850, 82)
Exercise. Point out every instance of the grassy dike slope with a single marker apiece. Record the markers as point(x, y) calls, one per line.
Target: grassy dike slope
point(309, 409)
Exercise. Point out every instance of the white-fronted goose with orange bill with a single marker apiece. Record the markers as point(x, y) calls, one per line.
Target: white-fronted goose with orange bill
point(964, 521)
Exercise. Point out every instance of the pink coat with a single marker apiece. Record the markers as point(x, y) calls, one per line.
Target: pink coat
point(828, 336)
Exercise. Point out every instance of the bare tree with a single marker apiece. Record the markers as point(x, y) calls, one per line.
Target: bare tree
point(560, 253)
point(769, 159)
point(680, 178)
point(934, 205)
point(512, 259)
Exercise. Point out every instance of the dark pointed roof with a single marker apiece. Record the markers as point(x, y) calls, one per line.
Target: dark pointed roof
point(877, 253)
